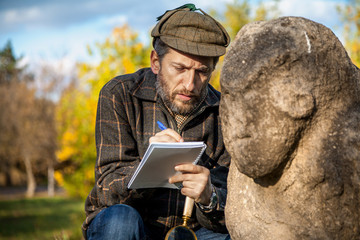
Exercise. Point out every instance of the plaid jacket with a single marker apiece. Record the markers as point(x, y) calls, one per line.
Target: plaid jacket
point(128, 109)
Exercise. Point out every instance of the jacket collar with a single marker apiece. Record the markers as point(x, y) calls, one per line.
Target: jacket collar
point(144, 88)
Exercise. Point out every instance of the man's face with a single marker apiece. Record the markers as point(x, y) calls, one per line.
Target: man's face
point(182, 79)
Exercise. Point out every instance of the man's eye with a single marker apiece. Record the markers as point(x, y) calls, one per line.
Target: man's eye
point(203, 72)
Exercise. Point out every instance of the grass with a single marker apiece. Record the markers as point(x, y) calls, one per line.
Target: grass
point(41, 218)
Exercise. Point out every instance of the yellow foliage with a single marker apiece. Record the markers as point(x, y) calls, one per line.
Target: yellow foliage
point(129, 66)
point(123, 33)
point(69, 136)
point(351, 19)
point(65, 153)
point(67, 149)
point(236, 15)
point(89, 173)
point(120, 53)
point(59, 178)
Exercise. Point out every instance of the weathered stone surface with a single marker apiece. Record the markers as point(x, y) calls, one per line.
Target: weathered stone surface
point(290, 111)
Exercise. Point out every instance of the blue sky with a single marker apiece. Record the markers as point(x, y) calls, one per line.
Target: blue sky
point(50, 30)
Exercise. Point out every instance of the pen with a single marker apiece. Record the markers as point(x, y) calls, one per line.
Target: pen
point(161, 126)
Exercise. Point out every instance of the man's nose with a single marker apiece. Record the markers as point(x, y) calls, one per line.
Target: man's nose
point(189, 82)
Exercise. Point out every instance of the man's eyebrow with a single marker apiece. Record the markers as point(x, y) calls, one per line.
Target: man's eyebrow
point(202, 67)
point(178, 64)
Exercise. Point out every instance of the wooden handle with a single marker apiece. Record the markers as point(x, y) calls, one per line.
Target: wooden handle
point(188, 208)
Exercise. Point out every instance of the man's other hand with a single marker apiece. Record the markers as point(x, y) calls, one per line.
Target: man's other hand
point(196, 182)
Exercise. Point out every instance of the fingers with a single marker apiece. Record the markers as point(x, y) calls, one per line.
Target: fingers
point(190, 180)
point(191, 188)
point(190, 172)
point(168, 135)
point(199, 190)
point(195, 180)
point(191, 168)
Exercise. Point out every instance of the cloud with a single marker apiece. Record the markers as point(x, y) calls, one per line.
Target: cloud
point(57, 14)
point(22, 15)
point(115, 20)
point(321, 11)
point(42, 14)
point(13, 18)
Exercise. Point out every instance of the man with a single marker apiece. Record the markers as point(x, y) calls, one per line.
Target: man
point(176, 92)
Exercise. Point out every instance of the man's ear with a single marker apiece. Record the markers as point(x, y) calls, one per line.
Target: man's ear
point(155, 62)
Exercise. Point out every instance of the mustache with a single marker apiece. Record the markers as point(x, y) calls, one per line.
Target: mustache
point(186, 92)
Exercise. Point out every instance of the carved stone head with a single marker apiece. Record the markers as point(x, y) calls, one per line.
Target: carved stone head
point(277, 80)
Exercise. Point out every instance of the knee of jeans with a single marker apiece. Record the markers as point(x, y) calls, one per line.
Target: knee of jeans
point(115, 221)
point(123, 213)
point(119, 216)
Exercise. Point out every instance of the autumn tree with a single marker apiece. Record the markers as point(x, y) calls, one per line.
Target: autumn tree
point(12, 101)
point(26, 123)
point(14, 105)
point(51, 80)
point(120, 53)
point(237, 14)
point(350, 14)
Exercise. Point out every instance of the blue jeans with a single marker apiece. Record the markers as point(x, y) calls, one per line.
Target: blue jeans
point(124, 222)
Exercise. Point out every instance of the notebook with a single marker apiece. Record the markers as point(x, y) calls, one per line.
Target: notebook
point(159, 160)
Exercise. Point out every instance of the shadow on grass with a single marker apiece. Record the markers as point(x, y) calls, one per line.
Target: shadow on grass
point(41, 218)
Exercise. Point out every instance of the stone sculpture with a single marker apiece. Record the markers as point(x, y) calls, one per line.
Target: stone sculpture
point(290, 111)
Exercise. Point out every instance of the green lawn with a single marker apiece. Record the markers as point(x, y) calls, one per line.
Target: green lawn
point(41, 218)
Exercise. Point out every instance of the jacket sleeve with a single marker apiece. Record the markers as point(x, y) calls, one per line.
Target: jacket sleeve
point(215, 219)
point(117, 154)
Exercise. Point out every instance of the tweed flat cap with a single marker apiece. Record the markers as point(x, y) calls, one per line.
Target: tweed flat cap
point(192, 32)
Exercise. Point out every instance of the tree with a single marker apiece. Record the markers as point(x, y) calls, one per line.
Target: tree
point(49, 84)
point(120, 53)
point(236, 15)
point(26, 123)
point(18, 136)
point(9, 69)
point(14, 105)
point(351, 19)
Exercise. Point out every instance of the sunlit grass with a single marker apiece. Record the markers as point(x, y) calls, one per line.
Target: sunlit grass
point(41, 218)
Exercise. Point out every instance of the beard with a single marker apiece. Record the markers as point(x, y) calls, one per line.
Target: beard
point(178, 106)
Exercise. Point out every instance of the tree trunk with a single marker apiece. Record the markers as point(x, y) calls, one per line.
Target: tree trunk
point(31, 184)
point(51, 181)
